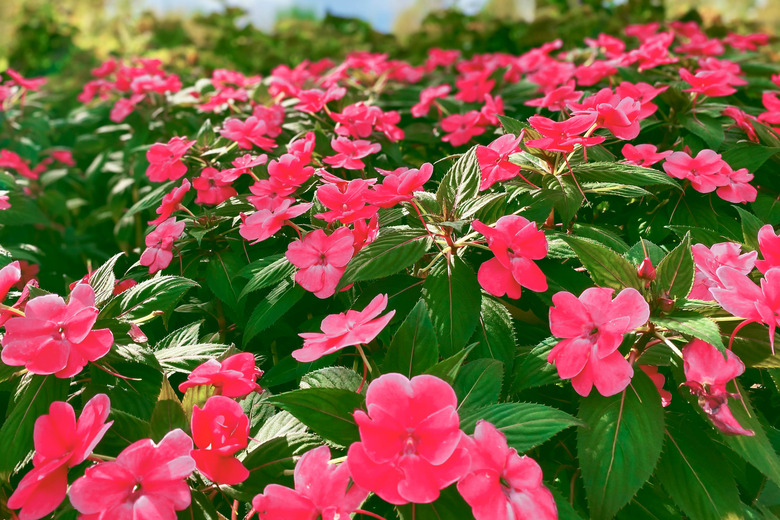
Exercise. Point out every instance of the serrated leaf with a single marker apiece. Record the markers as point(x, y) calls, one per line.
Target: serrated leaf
point(449, 368)
point(184, 358)
point(274, 306)
point(534, 370)
point(564, 194)
point(693, 324)
point(606, 267)
point(750, 226)
point(332, 377)
point(674, 274)
point(479, 383)
point(629, 174)
point(103, 279)
point(449, 506)
point(186, 335)
point(414, 348)
point(495, 335)
point(265, 273)
point(142, 302)
point(461, 183)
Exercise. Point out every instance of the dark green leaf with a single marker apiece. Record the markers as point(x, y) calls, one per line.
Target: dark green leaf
point(707, 127)
point(274, 306)
point(606, 267)
point(414, 348)
point(148, 299)
point(102, 280)
point(693, 324)
point(460, 184)
point(495, 336)
point(629, 174)
point(674, 277)
point(265, 273)
point(479, 383)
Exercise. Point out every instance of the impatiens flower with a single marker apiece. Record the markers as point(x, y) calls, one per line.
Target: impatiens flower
point(594, 72)
point(709, 260)
point(502, 485)
point(411, 446)
point(594, 325)
point(146, 481)
point(10, 276)
point(427, 97)
point(493, 159)
point(350, 153)
point(171, 202)
point(290, 170)
point(356, 120)
point(303, 148)
point(493, 107)
point(33, 84)
point(557, 99)
point(644, 154)
point(611, 47)
point(9, 159)
point(746, 42)
point(347, 203)
point(516, 243)
point(619, 115)
point(737, 188)
point(768, 244)
point(242, 165)
point(63, 156)
point(213, 186)
point(159, 245)
point(743, 121)
point(55, 337)
point(61, 442)
point(364, 232)
point(322, 490)
point(712, 83)
point(236, 376)
point(165, 162)
point(314, 100)
point(219, 430)
point(265, 222)
point(704, 171)
point(461, 128)
point(124, 107)
point(321, 260)
point(399, 185)
point(658, 380)
point(642, 92)
point(345, 330)
point(249, 133)
point(706, 376)
point(562, 136)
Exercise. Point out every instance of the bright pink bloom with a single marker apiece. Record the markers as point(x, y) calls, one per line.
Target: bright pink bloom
point(159, 245)
point(619, 115)
point(171, 202)
point(55, 337)
point(743, 121)
point(64, 156)
point(322, 490)
point(386, 123)
point(321, 260)
point(399, 185)
point(658, 380)
point(441, 58)
point(213, 186)
point(516, 243)
point(124, 107)
point(364, 232)
point(643, 154)
point(737, 188)
point(165, 162)
point(314, 100)
point(427, 97)
point(411, 444)
point(557, 99)
point(706, 374)
point(714, 83)
point(290, 170)
point(221, 77)
point(303, 148)
point(272, 116)
point(594, 325)
point(265, 222)
point(704, 171)
point(61, 442)
point(493, 159)
point(642, 92)
point(235, 376)
point(219, 430)
point(9, 159)
point(249, 133)
point(746, 42)
point(146, 481)
point(653, 52)
point(347, 203)
point(768, 243)
point(642, 31)
point(33, 84)
point(563, 136)
point(350, 153)
point(591, 74)
point(709, 260)
point(356, 120)
point(611, 47)
point(493, 107)
point(472, 86)
point(700, 45)
point(461, 128)
point(10, 276)
point(502, 485)
point(242, 165)
point(345, 330)
point(4, 203)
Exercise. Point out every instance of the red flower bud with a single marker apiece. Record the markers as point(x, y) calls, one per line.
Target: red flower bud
point(646, 271)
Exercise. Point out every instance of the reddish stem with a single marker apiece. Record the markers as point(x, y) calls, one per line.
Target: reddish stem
point(369, 513)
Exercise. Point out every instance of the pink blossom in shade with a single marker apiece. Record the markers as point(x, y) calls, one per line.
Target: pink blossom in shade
point(658, 380)
point(171, 202)
point(314, 100)
point(706, 376)
point(703, 171)
point(642, 31)
point(33, 84)
point(399, 186)
point(386, 123)
point(350, 153)
point(61, 442)
point(303, 148)
point(290, 170)
point(146, 481)
point(460, 128)
point(736, 188)
point(63, 156)
point(713, 83)
point(643, 154)
point(356, 120)
point(10, 276)
point(159, 245)
point(322, 490)
point(12, 160)
point(411, 446)
point(746, 42)
point(473, 86)
point(219, 430)
point(223, 97)
point(55, 337)
point(321, 260)
point(347, 203)
point(345, 330)
point(502, 485)
point(249, 133)
point(563, 136)
point(427, 97)
point(213, 186)
point(123, 285)
point(593, 73)
point(165, 162)
point(642, 92)
point(4, 203)
point(123, 107)
point(441, 58)
point(772, 104)
point(611, 47)
point(235, 376)
point(743, 121)
point(700, 45)
point(364, 232)
point(709, 259)
point(265, 222)
point(493, 159)
point(557, 99)
point(493, 107)
point(768, 244)
point(552, 75)
point(29, 272)
point(593, 326)
point(516, 243)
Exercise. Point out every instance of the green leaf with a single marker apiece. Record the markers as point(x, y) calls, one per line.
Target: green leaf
point(605, 266)
point(183, 359)
point(564, 194)
point(186, 335)
point(461, 183)
point(748, 155)
point(220, 281)
point(495, 336)
point(693, 324)
point(148, 299)
point(526, 425)
point(750, 226)
point(449, 368)
point(629, 174)
point(200, 508)
point(274, 306)
point(102, 280)
point(453, 296)
point(168, 413)
point(479, 383)
point(332, 377)
point(449, 506)
point(393, 250)
point(265, 273)
point(325, 411)
point(31, 399)
point(675, 272)
point(414, 348)
point(619, 444)
point(151, 199)
point(707, 127)
point(512, 126)
point(534, 370)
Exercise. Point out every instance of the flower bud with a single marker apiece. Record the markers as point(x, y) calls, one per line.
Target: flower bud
point(646, 271)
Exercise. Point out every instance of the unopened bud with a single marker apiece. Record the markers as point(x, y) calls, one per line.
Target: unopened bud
point(646, 271)
point(666, 304)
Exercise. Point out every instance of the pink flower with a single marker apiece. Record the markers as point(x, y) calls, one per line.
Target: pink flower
point(502, 485)
point(562, 136)
point(145, 481)
point(713, 83)
point(345, 330)
point(516, 243)
point(165, 162)
point(737, 188)
point(159, 245)
point(171, 202)
point(557, 99)
point(346, 203)
point(322, 490)
point(743, 121)
point(235, 376)
point(303, 148)
point(64, 156)
point(272, 116)
point(658, 380)
point(441, 58)
point(596, 71)
point(249, 133)
point(493, 159)
point(265, 222)
point(10, 276)
point(124, 107)
point(642, 92)
point(411, 446)
point(768, 244)
point(242, 165)
point(706, 374)
point(321, 260)
point(594, 325)
point(364, 232)
point(350, 153)
point(219, 430)
point(9, 159)
point(619, 115)
point(61, 442)
point(493, 107)
point(213, 186)
point(356, 120)
point(290, 170)
point(427, 97)
point(643, 154)
point(746, 42)
point(461, 128)
point(611, 47)
point(314, 100)
point(33, 84)
point(399, 185)
point(709, 260)
point(55, 337)
point(642, 31)
point(704, 171)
